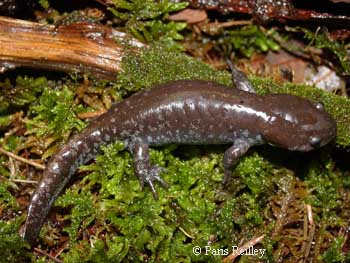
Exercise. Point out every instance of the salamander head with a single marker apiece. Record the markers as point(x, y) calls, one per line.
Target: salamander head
point(298, 124)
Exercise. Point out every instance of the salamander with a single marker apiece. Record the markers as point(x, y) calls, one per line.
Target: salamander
point(185, 112)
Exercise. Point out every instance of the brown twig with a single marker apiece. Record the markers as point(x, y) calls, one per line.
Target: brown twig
point(264, 11)
point(237, 253)
point(21, 159)
point(312, 228)
point(47, 255)
point(89, 115)
point(80, 47)
point(185, 233)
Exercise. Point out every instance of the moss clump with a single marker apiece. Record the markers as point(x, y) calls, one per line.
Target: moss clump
point(338, 48)
point(334, 254)
point(129, 229)
point(247, 40)
point(157, 65)
point(25, 91)
point(12, 248)
point(147, 20)
point(8, 202)
point(55, 117)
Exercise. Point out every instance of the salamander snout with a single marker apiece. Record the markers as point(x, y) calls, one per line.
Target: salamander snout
point(300, 125)
point(314, 127)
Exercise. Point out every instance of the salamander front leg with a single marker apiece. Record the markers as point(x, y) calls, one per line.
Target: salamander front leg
point(232, 155)
point(146, 172)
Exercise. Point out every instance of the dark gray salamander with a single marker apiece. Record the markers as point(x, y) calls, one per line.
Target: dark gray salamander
point(185, 112)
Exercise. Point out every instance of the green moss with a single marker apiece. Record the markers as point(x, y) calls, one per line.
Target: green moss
point(156, 65)
point(44, 3)
point(255, 173)
point(13, 142)
point(8, 202)
point(24, 92)
point(137, 228)
point(325, 185)
point(12, 248)
point(328, 187)
point(55, 116)
point(82, 210)
point(340, 49)
point(4, 170)
point(136, 233)
point(110, 250)
point(247, 40)
point(334, 254)
point(146, 20)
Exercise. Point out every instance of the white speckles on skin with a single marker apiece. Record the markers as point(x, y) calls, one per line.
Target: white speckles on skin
point(86, 147)
point(289, 118)
point(107, 138)
point(42, 184)
point(258, 138)
point(96, 133)
point(73, 153)
point(124, 133)
point(139, 153)
point(76, 144)
point(72, 169)
point(56, 168)
point(152, 129)
point(49, 181)
point(35, 197)
point(66, 154)
point(241, 109)
point(113, 120)
point(245, 133)
point(191, 105)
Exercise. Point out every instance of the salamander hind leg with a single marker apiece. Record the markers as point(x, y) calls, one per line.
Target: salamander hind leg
point(145, 171)
point(239, 79)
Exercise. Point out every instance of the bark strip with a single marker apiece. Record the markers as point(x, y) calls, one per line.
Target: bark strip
point(80, 47)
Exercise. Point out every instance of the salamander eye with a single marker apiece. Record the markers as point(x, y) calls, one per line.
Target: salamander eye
point(319, 105)
point(315, 142)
